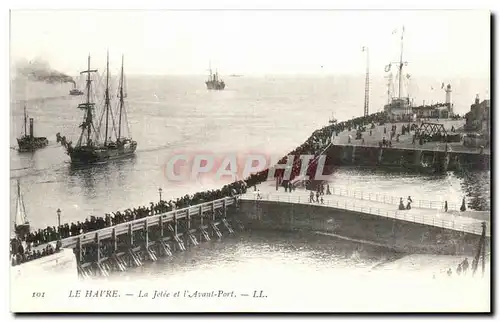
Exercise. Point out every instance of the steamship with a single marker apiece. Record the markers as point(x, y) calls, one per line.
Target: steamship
point(91, 147)
point(29, 142)
point(214, 82)
point(75, 91)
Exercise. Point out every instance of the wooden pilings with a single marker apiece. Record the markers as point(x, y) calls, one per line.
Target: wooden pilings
point(130, 244)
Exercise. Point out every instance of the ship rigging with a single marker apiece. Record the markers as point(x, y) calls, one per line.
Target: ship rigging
point(90, 147)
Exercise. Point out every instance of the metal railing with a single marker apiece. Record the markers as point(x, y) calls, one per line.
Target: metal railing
point(392, 200)
point(406, 215)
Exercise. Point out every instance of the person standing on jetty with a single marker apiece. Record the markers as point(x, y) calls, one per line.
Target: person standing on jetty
point(445, 206)
point(462, 207)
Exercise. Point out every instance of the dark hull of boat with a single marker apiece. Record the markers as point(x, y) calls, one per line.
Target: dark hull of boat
point(90, 155)
point(27, 144)
point(75, 92)
point(215, 85)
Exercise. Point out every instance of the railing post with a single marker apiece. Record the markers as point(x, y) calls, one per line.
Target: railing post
point(79, 249)
point(146, 232)
point(115, 242)
point(175, 222)
point(98, 242)
point(130, 235)
point(160, 222)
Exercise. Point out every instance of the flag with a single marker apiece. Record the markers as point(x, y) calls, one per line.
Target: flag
point(408, 76)
point(387, 68)
point(394, 31)
point(363, 49)
point(442, 85)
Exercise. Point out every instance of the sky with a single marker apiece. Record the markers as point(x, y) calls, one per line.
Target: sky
point(436, 43)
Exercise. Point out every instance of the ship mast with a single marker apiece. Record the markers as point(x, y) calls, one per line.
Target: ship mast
point(25, 120)
point(401, 64)
point(367, 82)
point(121, 103)
point(87, 124)
point(106, 99)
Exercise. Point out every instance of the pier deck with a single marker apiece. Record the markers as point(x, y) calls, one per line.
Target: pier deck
point(405, 141)
point(460, 221)
point(140, 224)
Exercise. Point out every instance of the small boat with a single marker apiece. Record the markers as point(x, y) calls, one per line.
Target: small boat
point(29, 142)
point(332, 120)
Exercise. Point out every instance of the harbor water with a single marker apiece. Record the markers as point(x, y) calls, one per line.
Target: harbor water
point(273, 115)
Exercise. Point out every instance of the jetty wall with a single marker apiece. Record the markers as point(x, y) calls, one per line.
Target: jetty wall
point(415, 158)
point(400, 235)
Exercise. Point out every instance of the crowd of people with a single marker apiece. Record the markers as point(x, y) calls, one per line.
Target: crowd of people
point(22, 252)
point(316, 144)
point(22, 245)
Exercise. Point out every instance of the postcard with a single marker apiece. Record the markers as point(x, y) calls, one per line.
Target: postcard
point(250, 161)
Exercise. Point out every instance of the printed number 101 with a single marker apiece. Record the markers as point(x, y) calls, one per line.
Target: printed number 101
point(38, 294)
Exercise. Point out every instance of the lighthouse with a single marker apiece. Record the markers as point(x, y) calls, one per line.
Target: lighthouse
point(448, 98)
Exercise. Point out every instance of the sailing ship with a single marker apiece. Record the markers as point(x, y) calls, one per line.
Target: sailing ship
point(21, 224)
point(90, 147)
point(214, 81)
point(29, 142)
point(399, 108)
point(61, 263)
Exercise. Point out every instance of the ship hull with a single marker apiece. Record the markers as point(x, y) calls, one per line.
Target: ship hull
point(27, 144)
point(85, 155)
point(215, 85)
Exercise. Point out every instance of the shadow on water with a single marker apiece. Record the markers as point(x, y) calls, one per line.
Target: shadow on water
point(89, 176)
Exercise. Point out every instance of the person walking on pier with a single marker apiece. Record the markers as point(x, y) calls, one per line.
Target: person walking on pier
point(321, 199)
point(311, 197)
point(401, 205)
point(317, 197)
point(445, 206)
point(328, 192)
point(459, 269)
point(465, 266)
point(462, 207)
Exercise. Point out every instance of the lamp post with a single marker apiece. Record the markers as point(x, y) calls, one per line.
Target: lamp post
point(159, 191)
point(58, 218)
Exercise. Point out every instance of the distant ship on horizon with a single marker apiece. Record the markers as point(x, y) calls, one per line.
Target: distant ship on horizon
point(91, 147)
point(214, 82)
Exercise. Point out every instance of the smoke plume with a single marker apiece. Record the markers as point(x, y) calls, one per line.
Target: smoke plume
point(38, 70)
